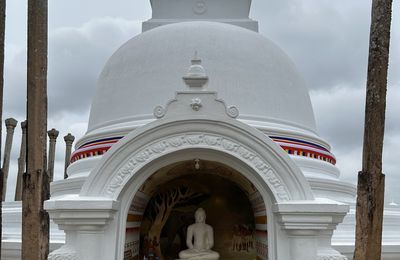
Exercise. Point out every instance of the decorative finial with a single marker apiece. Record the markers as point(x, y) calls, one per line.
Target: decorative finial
point(196, 76)
point(196, 60)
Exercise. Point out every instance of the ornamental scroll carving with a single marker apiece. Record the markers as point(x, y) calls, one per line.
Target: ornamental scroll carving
point(232, 111)
point(196, 104)
point(159, 112)
point(63, 253)
point(216, 142)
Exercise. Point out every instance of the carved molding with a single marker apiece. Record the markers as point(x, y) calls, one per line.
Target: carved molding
point(63, 253)
point(232, 111)
point(196, 104)
point(159, 112)
point(193, 140)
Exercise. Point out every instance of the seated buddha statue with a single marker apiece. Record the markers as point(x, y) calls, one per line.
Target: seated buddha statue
point(199, 240)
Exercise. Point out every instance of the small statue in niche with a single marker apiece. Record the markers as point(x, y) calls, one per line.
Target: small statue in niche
point(200, 240)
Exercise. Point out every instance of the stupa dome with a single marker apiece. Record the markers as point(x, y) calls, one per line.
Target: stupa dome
point(246, 69)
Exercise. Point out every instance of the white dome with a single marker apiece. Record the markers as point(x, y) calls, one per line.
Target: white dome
point(247, 70)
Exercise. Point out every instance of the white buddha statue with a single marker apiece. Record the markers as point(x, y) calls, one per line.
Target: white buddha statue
point(200, 240)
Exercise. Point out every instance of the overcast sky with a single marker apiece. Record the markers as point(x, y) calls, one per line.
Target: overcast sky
point(328, 40)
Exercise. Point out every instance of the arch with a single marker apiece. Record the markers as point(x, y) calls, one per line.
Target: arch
point(186, 173)
point(127, 165)
point(268, 163)
point(131, 189)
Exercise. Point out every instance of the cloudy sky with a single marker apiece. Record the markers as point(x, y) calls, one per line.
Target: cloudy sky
point(328, 40)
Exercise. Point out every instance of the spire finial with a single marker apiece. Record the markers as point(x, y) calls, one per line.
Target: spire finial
point(196, 60)
point(176, 11)
point(196, 76)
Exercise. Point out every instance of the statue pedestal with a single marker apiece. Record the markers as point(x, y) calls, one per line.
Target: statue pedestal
point(199, 258)
point(198, 255)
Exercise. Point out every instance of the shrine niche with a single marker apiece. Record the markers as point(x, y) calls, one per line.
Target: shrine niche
point(161, 216)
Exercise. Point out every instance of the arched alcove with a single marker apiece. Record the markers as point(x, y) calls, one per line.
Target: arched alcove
point(235, 209)
point(136, 157)
point(135, 196)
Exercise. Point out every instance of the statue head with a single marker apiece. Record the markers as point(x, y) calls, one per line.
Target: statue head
point(200, 215)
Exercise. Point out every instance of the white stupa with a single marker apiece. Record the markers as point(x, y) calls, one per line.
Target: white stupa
point(245, 108)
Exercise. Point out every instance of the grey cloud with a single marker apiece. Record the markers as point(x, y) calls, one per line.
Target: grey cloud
point(15, 85)
point(328, 40)
point(76, 57)
point(394, 64)
point(340, 115)
point(74, 13)
point(391, 166)
point(392, 127)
